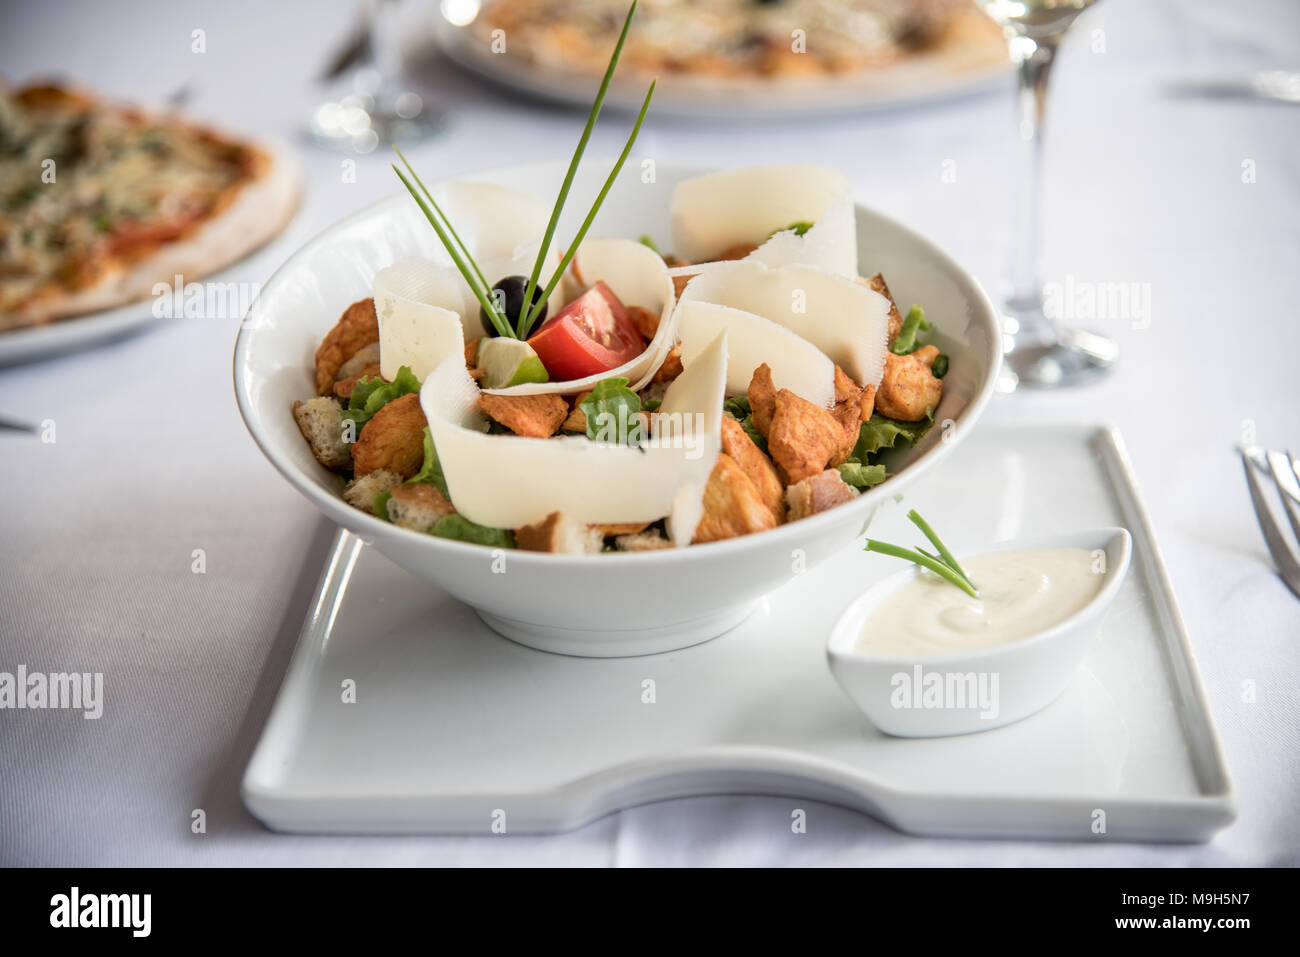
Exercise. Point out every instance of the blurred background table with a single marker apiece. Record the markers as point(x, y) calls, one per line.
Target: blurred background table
point(1144, 184)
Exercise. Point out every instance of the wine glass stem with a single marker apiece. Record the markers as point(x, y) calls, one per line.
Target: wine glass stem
point(385, 49)
point(1034, 67)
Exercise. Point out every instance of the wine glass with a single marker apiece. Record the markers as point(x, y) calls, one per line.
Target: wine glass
point(1040, 351)
point(380, 109)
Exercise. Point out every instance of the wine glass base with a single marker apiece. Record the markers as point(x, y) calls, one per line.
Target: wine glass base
point(1073, 357)
point(357, 125)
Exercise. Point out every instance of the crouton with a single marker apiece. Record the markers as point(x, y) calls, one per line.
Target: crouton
point(534, 416)
point(560, 535)
point(732, 506)
point(320, 420)
point(877, 282)
point(908, 389)
point(357, 328)
point(804, 437)
point(817, 493)
point(648, 541)
point(361, 491)
point(393, 440)
point(418, 507)
point(758, 468)
point(762, 398)
point(646, 322)
point(343, 387)
point(671, 367)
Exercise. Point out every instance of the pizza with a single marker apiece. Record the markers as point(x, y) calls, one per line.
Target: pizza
point(99, 202)
point(734, 39)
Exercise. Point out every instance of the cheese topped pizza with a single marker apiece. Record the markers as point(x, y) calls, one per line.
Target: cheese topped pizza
point(98, 202)
point(733, 39)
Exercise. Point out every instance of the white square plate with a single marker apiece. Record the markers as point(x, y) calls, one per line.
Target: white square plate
point(454, 728)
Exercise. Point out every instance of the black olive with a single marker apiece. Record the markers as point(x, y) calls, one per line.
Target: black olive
point(509, 292)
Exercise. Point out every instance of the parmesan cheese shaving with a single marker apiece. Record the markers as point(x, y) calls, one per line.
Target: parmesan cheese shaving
point(796, 364)
point(718, 211)
point(698, 391)
point(831, 243)
point(417, 304)
point(506, 481)
point(846, 320)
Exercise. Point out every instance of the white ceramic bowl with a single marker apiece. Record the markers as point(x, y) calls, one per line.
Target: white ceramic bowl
point(612, 604)
point(1020, 677)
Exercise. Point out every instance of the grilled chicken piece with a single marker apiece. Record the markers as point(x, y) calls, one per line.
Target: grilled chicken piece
point(357, 328)
point(908, 389)
point(393, 439)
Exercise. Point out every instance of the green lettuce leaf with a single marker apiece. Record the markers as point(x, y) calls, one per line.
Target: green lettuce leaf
point(879, 433)
point(431, 472)
point(862, 476)
point(463, 530)
point(905, 343)
point(612, 397)
point(798, 228)
point(373, 393)
point(747, 423)
point(737, 407)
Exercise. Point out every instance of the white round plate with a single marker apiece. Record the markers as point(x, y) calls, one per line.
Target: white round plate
point(43, 342)
point(79, 332)
point(923, 78)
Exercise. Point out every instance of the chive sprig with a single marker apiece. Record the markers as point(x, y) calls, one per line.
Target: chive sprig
point(943, 564)
point(459, 252)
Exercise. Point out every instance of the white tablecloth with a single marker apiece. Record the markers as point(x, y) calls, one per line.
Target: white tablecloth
point(151, 460)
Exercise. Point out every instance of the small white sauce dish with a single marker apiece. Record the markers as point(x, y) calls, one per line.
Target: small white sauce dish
point(981, 689)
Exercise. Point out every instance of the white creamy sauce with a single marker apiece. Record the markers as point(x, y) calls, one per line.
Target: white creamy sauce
point(1021, 593)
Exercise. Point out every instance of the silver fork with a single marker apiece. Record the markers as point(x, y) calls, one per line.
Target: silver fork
point(1285, 472)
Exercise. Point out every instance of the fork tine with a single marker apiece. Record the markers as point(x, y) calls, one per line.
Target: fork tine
point(1287, 565)
point(1284, 479)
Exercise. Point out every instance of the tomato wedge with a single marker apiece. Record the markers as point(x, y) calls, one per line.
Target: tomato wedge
point(590, 335)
